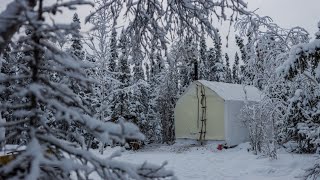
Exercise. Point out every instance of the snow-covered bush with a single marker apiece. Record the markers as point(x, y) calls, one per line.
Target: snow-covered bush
point(261, 126)
point(312, 172)
point(266, 49)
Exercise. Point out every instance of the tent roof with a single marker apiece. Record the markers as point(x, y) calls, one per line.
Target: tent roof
point(234, 92)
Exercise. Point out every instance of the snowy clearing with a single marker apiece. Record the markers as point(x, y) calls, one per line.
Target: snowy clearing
point(195, 162)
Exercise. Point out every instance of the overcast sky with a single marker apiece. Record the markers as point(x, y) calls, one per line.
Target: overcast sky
point(286, 13)
point(290, 13)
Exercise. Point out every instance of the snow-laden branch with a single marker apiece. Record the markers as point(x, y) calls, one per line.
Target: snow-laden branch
point(12, 18)
point(156, 20)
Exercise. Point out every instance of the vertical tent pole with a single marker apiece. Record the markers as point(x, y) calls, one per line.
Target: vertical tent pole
point(203, 102)
point(197, 89)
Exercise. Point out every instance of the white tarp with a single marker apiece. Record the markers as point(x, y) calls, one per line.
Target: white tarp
point(235, 130)
point(228, 91)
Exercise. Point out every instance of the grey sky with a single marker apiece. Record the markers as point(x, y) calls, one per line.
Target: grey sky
point(290, 13)
point(285, 13)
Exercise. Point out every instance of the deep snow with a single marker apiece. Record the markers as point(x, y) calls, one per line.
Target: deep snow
point(193, 162)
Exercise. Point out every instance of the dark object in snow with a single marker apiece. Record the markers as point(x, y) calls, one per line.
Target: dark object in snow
point(6, 159)
point(134, 145)
point(224, 146)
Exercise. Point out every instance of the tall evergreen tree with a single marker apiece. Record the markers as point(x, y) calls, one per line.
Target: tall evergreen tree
point(185, 52)
point(227, 69)
point(121, 99)
point(203, 57)
point(236, 69)
point(76, 44)
point(241, 46)
point(139, 100)
point(137, 58)
point(192, 54)
point(218, 71)
point(167, 97)
point(157, 72)
point(247, 73)
point(210, 63)
point(113, 51)
point(243, 52)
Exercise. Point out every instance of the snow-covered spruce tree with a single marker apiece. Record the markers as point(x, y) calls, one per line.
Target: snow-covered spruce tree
point(156, 75)
point(190, 59)
point(12, 61)
point(48, 153)
point(210, 64)
point(83, 89)
point(168, 91)
point(99, 45)
point(203, 57)
point(76, 42)
point(122, 93)
point(185, 68)
point(216, 69)
point(228, 78)
point(184, 51)
point(76, 50)
point(236, 69)
point(303, 122)
point(7, 64)
point(139, 92)
point(218, 73)
point(303, 119)
point(113, 84)
point(192, 55)
point(243, 53)
point(249, 69)
point(164, 91)
point(113, 51)
point(240, 44)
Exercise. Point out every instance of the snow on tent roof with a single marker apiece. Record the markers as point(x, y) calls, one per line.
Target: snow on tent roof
point(234, 92)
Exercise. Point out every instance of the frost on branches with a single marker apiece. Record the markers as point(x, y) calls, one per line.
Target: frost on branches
point(266, 49)
point(302, 65)
point(163, 19)
point(303, 121)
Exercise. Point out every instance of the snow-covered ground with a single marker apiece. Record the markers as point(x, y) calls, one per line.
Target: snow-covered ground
point(193, 162)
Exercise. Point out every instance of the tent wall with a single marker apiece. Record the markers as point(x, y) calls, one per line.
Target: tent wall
point(188, 125)
point(215, 116)
point(185, 115)
point(235, 131)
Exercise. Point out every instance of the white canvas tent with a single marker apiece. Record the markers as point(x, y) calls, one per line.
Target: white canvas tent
point(210, 111)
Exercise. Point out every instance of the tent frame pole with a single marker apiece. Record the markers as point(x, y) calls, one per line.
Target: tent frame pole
point(198, 106)
point(203, 102)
